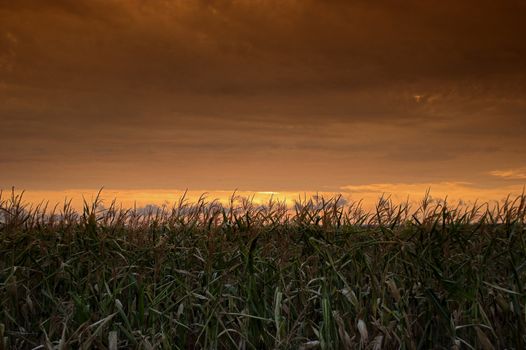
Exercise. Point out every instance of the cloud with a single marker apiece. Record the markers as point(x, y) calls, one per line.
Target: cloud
point(454, 191)
point(8, 42)
point(510, 174)
point(275, 95)
point(273, 59)
point(271, 47)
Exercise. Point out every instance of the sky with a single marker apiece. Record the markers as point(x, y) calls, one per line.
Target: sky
point(148, 98)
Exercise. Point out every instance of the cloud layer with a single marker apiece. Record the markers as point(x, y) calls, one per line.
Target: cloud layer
point(510, 174)
point(263, 95)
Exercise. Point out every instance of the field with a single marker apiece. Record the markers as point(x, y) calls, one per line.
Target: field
point(323, 274)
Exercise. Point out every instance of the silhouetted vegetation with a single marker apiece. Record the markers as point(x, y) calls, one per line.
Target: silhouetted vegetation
point(323, 274)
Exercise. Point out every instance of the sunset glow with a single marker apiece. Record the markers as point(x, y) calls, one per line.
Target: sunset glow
point(150, 98)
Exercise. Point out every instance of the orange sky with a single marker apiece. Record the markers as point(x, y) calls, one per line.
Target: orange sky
point(358, 97)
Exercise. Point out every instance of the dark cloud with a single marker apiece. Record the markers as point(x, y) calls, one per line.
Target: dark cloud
point(245, 88)
point(269, 47)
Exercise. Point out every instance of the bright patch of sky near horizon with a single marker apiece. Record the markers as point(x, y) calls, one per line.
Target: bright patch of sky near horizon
point(368, 195)
point(282, 96)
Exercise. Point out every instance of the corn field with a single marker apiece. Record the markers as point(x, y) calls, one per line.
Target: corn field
point(322, 274)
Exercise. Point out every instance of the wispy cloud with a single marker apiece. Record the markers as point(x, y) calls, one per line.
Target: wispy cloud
point(7, 51)
point(510, 174)
point(403, 187)
point(454, 191)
